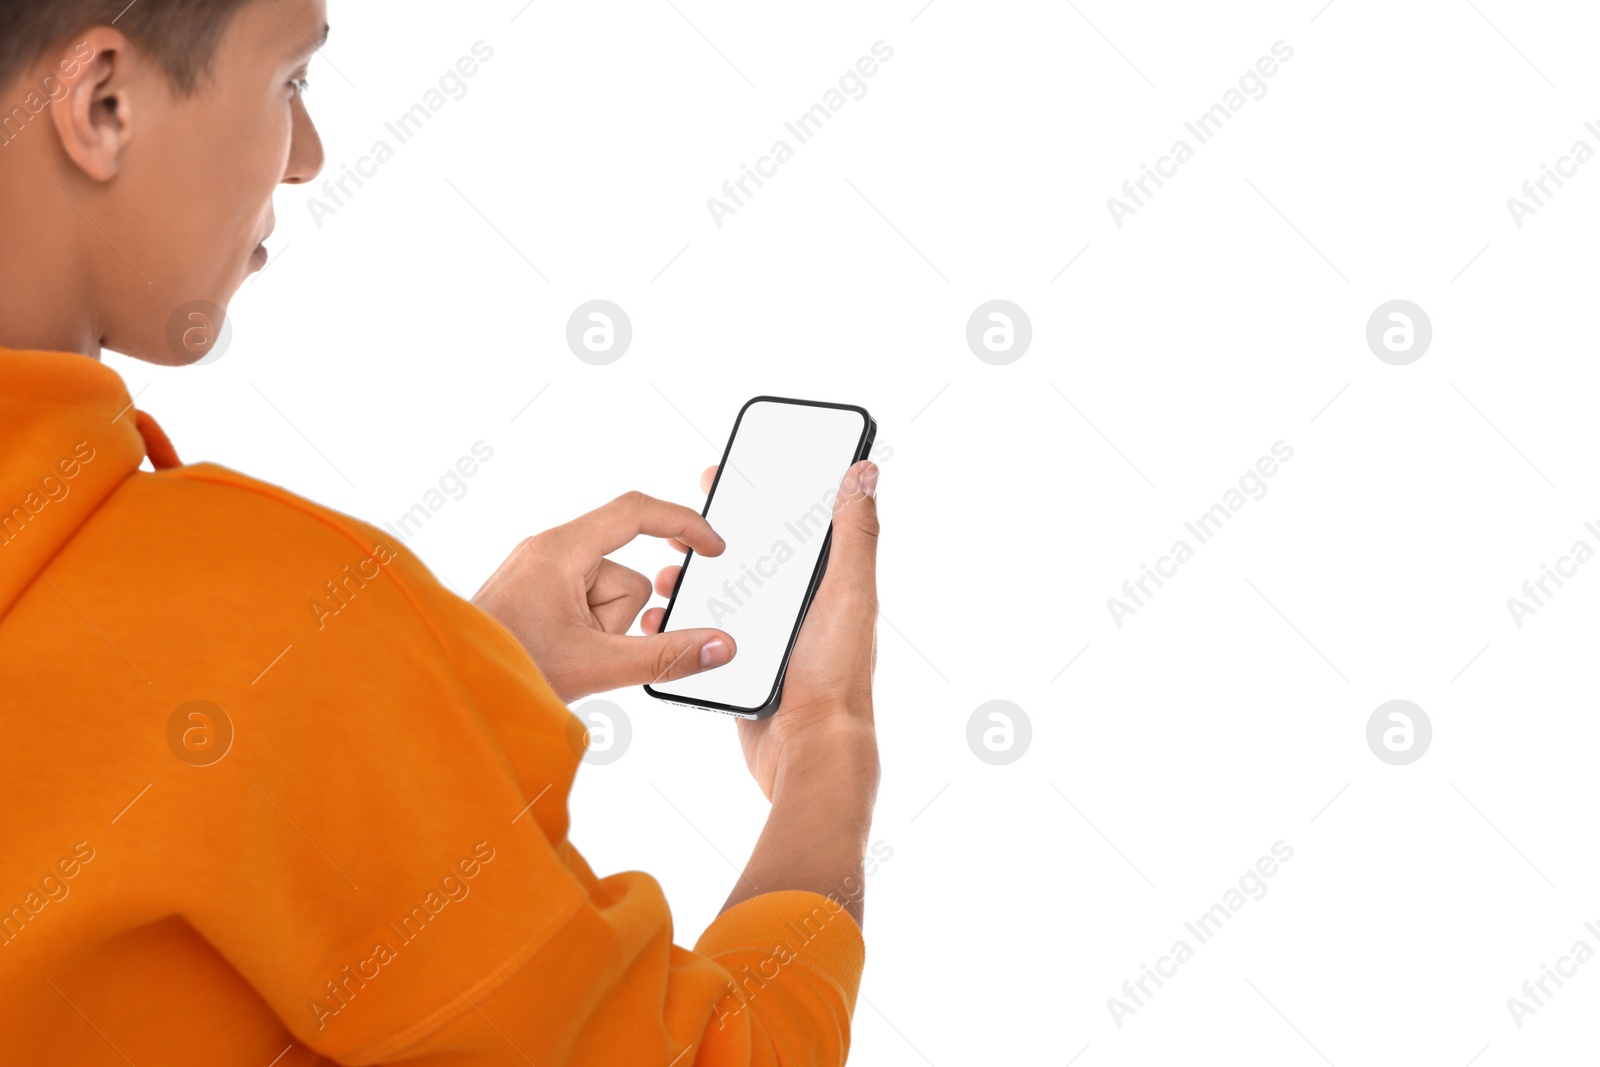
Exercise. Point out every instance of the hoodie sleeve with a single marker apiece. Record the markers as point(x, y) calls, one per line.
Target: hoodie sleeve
point(386, 857)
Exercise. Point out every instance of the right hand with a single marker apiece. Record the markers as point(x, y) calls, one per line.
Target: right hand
point(571, 606)
point(827, 691)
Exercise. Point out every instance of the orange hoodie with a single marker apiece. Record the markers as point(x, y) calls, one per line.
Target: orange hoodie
point(239, 825)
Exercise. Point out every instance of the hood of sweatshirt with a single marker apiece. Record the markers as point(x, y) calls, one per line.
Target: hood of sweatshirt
point(69, 436)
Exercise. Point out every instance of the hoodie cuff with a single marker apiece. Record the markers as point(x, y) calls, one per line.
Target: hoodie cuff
point(792, 925)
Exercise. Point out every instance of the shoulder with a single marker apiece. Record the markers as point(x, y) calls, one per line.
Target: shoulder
point(250, 508)
point(226, 583)
point(211, 559)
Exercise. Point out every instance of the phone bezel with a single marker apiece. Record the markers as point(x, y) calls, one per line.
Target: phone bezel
point(869, 432)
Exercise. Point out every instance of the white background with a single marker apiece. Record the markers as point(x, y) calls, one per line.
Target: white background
point(1227, 314)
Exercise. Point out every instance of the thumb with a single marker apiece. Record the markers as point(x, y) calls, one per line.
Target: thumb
point(669, 656)
point(853, 552)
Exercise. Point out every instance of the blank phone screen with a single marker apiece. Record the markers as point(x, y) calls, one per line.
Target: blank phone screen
point(773, 505)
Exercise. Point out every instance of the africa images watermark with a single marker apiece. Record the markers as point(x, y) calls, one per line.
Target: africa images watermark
point(55, 485)
point(1566, 167)
point(338, 596)
point(740, 990)
point(51, 90)
point(1205, 126)
point(1203, 929)
point(1566, 567)
point(53, 888)
point(1566, 967)
point(410, 123)
point(452, 485)
point(1203, 528)
point(809, 123)
point(340, 990)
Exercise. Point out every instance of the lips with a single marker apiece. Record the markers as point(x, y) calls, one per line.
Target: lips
point(258, 258)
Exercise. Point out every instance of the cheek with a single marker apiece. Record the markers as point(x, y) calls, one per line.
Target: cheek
point(260, 151)
point(227, 196)
point(248, 165)
point(223, 179)
point(277, 145)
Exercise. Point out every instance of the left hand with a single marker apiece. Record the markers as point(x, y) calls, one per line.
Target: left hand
point(572, 608)
point(826, 711)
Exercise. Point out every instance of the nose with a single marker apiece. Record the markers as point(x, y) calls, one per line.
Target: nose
point(306, 156)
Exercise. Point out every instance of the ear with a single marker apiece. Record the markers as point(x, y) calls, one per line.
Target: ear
point(94, 119)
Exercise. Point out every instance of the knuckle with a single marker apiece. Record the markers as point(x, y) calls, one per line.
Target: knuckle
point(670, 659)
point(867, 528)
point(643, 587)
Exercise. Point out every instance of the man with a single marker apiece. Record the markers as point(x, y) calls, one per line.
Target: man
point(241, 828)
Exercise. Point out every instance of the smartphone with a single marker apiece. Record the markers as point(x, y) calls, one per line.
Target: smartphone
point(772, 502)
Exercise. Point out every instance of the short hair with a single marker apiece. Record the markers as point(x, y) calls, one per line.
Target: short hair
point(181, 35)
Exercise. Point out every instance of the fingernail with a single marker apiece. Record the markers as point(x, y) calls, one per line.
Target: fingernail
point(714, 653)
point(869, 481)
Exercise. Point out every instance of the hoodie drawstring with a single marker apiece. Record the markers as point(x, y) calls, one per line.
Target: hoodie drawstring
point(156, 445)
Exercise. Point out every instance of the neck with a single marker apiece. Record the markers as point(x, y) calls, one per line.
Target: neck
point(45, 290)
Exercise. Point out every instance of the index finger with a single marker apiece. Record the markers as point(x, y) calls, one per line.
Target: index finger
point(707, 476)
point(609, 527)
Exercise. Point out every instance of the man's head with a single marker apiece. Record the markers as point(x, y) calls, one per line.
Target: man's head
point(140, 144)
